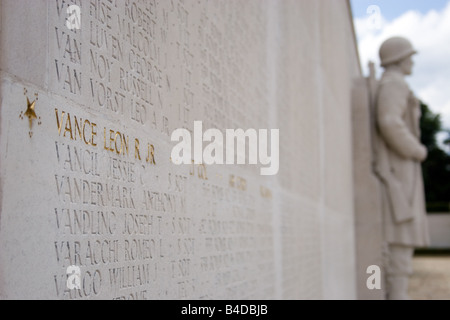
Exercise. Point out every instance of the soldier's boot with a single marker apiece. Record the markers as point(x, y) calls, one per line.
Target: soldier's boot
point(397, 287)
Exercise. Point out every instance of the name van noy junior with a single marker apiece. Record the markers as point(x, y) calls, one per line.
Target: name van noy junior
point(213, 153)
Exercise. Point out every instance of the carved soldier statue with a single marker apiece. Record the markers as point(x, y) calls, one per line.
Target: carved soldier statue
point(398, 157)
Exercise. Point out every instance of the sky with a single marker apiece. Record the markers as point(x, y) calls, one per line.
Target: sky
point(426, 23)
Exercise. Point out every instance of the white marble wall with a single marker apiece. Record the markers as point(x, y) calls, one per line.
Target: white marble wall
point(138, 228)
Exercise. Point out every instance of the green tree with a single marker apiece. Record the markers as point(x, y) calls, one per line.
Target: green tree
point(447, 141)
point(436, 168)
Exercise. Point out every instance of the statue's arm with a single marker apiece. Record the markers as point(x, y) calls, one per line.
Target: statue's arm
point(391, 105)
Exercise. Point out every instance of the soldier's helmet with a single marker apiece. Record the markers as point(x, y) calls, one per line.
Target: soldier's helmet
point(395, 49)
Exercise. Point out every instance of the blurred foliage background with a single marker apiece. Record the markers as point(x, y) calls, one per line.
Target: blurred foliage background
point(436, 168)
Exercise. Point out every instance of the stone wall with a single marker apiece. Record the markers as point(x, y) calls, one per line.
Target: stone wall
point(438, 226)
point(89, 182)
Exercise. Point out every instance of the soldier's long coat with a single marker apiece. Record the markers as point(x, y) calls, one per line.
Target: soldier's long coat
point(398, 149)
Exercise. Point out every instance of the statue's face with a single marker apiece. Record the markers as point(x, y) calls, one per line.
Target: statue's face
point(406, 65)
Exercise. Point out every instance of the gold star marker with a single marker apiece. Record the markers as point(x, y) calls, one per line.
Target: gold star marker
point(30, 113)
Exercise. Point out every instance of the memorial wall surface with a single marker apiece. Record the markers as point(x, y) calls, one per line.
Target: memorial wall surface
point(92, 206)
